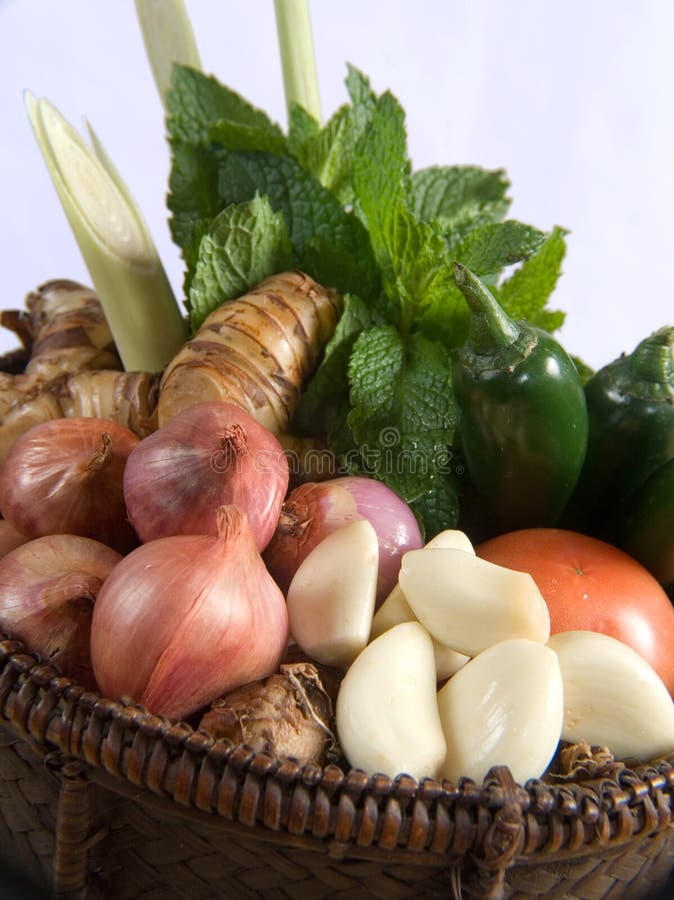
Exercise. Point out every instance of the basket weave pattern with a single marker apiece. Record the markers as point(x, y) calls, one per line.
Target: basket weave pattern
point(101, 799)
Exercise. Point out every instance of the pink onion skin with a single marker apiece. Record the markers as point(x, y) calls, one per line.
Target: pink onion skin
point(65, 477)
point(10, 538)
point(315, 509)
point(48, 587)
point(184, 619)
point(210, 455)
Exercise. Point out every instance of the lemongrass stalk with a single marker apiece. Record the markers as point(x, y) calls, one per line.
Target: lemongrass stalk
point(300, 80)
point(168, 38)
point(142, 312)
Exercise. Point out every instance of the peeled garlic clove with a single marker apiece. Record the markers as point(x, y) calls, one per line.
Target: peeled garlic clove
point(504, 707)
point(468, 603)
point(451, 539)
point(332, 595)
point(396, 609)
point(386, 711)
point(612, 696)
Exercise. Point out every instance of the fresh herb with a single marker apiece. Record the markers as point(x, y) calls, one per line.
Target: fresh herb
point(341, 202)
point(144, 317)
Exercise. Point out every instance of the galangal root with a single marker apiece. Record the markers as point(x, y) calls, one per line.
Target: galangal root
point(73, 369)
point(256, 351)
point(288, 714)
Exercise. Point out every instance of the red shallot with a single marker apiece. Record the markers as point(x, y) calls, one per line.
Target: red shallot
point(10, 538)
point(65, 477)
point(211, 454)
point(185, 619)
point(314, 510)
point(47, 591)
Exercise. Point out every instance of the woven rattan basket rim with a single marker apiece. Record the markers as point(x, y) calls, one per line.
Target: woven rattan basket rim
point(344, 813)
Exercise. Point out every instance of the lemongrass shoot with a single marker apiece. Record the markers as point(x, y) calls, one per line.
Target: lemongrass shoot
point(300, 80)
point(126, 271)
point(168, 38)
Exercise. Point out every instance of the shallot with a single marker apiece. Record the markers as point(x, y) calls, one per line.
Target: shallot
point(47, 591)
point(185, 619)
point(315, 509)
point(65, 477)
point(210, 455)
point(10, 538)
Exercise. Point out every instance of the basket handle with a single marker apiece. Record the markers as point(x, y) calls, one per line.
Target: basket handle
point(73, 833)
point(483, 873)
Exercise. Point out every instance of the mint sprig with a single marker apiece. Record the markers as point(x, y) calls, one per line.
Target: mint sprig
point(242, 245)
point(341, 201)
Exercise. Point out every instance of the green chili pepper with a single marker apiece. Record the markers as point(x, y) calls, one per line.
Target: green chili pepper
point(646, 528)
point(522, 414)
point(630, 404)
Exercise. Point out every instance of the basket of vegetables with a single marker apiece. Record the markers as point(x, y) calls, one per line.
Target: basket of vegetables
point(350, 579)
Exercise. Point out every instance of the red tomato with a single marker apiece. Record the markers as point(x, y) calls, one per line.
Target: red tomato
point(591, 585)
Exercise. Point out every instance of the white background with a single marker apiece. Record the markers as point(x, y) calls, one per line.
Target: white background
point(575, 100)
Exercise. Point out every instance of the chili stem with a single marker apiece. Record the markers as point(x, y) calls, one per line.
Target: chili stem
point(490, 329)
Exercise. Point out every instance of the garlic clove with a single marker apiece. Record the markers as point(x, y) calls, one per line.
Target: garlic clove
point(612, 696)
point(504, 707)
point(386, 711)
point(451, 539)
point(331, 597)
point(396, 609)
point(468, 603)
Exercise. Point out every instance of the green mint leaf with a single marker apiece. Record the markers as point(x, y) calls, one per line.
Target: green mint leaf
point(438, 509)
point(461, 197)
point(196, 101)
point(328, 152)
point(303, 131)
point(403, 416)
point(488, 249)
point(525, 293)
point(412, 255)
point(329, 387)
point(237, 136)
point(311, 212)
point(381, 173)
point(422, 272)
point(193, 191)
point(363, 99)
point(245, 244)
point(346, 264)
point(445, 319)
point(325, 152)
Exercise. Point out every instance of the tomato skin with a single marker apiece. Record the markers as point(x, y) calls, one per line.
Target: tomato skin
point(591, 585)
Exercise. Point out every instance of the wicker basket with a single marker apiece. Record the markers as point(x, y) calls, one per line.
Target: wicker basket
point(99, 799)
